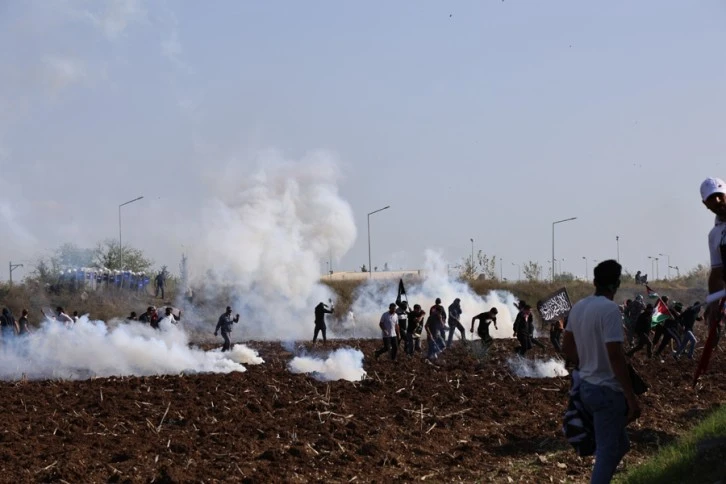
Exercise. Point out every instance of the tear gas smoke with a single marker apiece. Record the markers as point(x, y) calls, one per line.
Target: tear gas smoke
point(537, 368)
point(93, 349)
point(343, 364)
point(263, 242)
point(374, 297)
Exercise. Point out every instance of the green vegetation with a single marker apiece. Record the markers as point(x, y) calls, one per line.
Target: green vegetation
point(695, 457)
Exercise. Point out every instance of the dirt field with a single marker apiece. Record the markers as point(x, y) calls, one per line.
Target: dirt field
point(407, 421)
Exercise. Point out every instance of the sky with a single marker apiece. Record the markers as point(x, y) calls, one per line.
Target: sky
point(484, 120)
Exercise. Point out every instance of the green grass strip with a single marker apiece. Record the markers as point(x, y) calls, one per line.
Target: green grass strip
point(681, 462)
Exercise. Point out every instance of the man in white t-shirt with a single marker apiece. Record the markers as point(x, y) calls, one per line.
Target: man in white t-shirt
point(713, 196)
point(389, 329)
point(594, 342)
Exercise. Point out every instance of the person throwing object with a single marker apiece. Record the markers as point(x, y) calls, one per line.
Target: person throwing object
point(225, 325)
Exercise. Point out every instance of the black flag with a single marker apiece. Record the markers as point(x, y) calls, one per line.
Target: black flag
point(401, 292)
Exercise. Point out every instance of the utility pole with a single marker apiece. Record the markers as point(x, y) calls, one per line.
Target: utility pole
point(553, 242)
point(669, 263)
point(472, 255)
point(12, 268)
point(617, 242)
point(120, 246)
point(370, 269)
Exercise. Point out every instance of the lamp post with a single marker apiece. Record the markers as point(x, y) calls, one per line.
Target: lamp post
point(669, 263)
point(472, 254)
point(370, 269)
point(655, 260)
point(501, 270)
point(678, 271)
point(120, 245)
point(585, 259)
point(617, 242)
point(553, 241)
point(12, 268)
point(519, 271)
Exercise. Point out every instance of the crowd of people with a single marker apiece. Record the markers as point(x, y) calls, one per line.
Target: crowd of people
point(674, 329)
point(403, 327)
point(92, 278)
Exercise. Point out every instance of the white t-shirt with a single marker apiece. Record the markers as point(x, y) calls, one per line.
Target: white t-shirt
point(388, 324)
point(595, 321)
point(715, 236)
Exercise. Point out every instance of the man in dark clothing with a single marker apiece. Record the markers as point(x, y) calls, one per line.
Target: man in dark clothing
point(414, 330)
point(23, 327)
point(8, 326)
point(441, 312)
point(225, 325)
point(632, 313)
point(150, 317)
point(320, 311)
point(521, 328)
point(556, 328)
point(688, 320)
point(670, 329)
point(402, 312)
point(160, 283)
point(485, 319)
point(455, 321)
point(642, 332)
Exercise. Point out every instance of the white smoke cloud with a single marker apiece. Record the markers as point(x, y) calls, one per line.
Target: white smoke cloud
point(375, 296)
point(342, 364)
point(94, 349)
point(264, 237)
point(537, 368)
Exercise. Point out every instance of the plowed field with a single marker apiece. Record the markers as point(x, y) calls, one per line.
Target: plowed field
point(465, 420)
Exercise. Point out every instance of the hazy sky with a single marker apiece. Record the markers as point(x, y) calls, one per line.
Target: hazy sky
point(485, 120)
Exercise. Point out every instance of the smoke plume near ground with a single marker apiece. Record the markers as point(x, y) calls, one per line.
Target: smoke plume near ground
point(374, 297)
point(263, 237)
point(93, 349)
point(342, 364)
point(537, 368)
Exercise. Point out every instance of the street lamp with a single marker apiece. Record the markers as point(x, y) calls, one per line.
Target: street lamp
point(617, 242)
point(120, 245)
point(652, 260)
point(585, 259)
point(472, 254)
point(669, 263)
point(678, 271)
point(519, 271)
point(501, 270)
point(370, 269)
point(553, 241)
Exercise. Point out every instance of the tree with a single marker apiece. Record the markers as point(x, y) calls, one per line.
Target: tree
point(483, 267)
point(532, 271)
point(565, 277)
point(363, 268)
point(487, 265)
point(467, 270)
point(110, 255)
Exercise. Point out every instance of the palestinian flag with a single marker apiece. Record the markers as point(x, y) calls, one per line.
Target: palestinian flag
point(651, 293)
point(660, 313)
